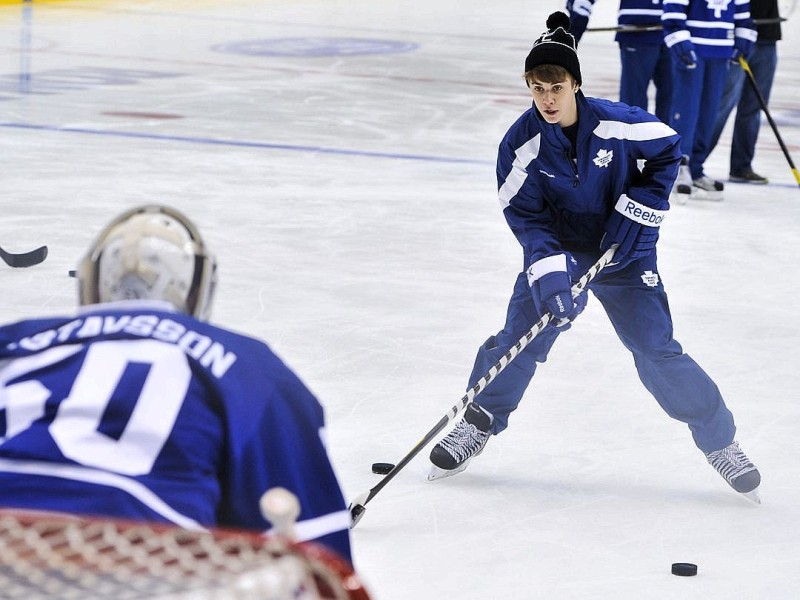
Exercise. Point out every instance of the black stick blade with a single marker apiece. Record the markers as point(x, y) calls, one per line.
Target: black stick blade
point(356, 512)
point(24, 259)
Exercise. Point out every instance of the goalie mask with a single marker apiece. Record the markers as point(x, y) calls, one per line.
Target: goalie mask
point(150, 253)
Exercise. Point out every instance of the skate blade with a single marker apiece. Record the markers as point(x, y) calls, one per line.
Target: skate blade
point(679, 198)
point(753, 496)
point(439, 473)
point(709, 195)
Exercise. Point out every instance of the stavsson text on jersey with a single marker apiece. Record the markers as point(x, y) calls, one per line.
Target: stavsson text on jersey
point(212, 355)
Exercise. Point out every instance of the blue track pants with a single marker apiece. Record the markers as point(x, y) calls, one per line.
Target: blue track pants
point(636, 303)
point(696, 97)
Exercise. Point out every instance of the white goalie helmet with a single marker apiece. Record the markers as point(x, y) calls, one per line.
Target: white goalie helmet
point(151, 252)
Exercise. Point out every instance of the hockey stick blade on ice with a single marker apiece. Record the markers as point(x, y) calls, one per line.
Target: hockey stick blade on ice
point(359, 505)
point(24, 259)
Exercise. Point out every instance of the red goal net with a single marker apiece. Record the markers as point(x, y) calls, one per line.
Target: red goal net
point(44, 555)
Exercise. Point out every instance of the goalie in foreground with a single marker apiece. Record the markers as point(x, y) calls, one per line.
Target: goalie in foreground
point(137, 408)
point(570, 188)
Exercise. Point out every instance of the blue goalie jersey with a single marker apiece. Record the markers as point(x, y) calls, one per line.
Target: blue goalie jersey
point(135, 411)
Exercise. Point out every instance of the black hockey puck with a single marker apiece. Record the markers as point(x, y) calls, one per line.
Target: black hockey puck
point(382, 468)
point(684, 569)
point(72, 274)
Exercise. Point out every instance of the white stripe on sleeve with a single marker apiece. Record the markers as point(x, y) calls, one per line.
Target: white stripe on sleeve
point(516, 177)
point(637, 132)
point(310, 529)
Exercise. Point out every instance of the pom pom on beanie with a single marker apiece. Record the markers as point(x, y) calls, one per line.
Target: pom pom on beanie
point(556, 46)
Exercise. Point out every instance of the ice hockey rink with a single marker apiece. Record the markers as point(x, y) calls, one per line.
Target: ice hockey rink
point(339, 157)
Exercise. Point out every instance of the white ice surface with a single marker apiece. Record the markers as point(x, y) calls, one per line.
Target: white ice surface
point(351, 201)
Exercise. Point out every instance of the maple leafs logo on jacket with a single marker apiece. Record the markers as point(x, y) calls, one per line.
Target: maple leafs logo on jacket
point(603, 158)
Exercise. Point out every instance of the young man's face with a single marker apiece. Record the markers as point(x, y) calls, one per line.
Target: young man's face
point(556, 101)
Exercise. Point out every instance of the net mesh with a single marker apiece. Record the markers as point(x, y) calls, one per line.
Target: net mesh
point(51, 556)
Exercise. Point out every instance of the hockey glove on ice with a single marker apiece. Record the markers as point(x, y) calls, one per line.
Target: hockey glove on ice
point(684, 55)
point(551, 288)
point(634, 227)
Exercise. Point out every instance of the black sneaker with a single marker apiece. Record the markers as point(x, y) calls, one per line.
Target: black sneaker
point(747, 176)
point(467, 439)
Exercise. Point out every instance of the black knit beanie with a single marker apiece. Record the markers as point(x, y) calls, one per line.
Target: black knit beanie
point(556, 46)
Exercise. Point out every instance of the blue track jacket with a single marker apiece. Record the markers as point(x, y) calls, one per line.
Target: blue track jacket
point(554, 204)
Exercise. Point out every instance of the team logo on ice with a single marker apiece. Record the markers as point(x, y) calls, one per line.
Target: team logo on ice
point(650, 279)
point(603, 158)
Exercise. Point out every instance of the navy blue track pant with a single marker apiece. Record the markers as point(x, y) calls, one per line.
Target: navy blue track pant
point(696, 95)
point(636, 303)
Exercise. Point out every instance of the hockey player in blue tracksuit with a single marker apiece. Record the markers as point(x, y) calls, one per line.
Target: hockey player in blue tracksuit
point(703, 36)
point(137, 408)
point(570, 189)
point(643, 55)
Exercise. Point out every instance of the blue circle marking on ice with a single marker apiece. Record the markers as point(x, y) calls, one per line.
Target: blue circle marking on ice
point(315, 46)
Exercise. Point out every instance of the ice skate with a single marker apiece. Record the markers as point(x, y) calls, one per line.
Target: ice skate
point(735, 468)
point(467, 439)
point(705, 188)
point(682, 188)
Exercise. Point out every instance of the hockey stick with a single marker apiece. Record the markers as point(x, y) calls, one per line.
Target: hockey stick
point(751, 78)
point(657, 26)
point(24, 259)
point(358, 506)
